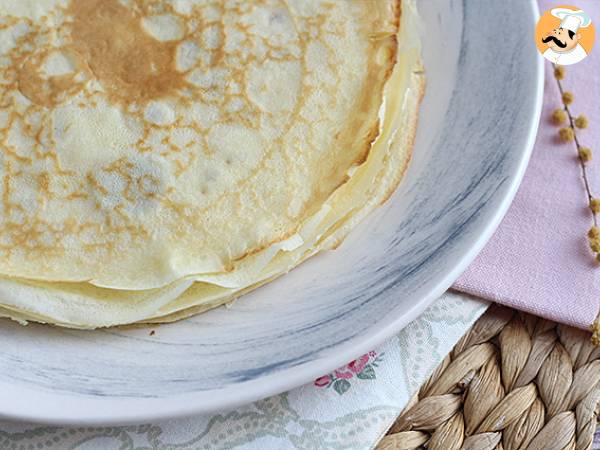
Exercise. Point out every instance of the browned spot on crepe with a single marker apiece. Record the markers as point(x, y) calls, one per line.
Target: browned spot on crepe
point(50, 91)
point(131, 65)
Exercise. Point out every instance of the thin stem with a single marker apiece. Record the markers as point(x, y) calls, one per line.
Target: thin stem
point(578, 146)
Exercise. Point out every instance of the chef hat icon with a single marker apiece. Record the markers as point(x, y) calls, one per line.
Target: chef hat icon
point(572, 20)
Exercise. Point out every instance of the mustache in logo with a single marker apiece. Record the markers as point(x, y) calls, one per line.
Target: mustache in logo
point(555, 40)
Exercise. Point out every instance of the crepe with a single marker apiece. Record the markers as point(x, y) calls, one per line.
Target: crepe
point(161, 158)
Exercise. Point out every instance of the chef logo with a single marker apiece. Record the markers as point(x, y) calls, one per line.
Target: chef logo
point(565, 35)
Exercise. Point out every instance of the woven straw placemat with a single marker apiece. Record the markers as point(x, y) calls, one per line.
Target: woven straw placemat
point(513, 382)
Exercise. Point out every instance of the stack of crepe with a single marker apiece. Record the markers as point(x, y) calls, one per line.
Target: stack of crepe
point(160, 158)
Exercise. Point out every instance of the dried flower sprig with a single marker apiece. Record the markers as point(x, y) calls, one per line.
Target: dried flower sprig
point(585, 154)
point(559, 72)
point(568, 133)
point(596, 332)
point(581, 122)
point(559, 116)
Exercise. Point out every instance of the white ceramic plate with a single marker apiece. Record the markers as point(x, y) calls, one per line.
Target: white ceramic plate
point(478, 124)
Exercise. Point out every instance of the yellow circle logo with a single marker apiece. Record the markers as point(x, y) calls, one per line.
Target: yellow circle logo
point(565, 35)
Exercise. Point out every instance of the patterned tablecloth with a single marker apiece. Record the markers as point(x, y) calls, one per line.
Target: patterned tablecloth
point(350, 408)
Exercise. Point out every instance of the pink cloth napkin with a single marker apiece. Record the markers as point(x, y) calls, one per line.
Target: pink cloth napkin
point(539, 260)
